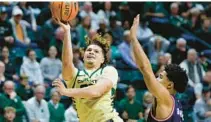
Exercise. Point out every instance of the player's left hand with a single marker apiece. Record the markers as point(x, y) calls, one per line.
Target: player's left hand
point(59, 86)
point(134, 27)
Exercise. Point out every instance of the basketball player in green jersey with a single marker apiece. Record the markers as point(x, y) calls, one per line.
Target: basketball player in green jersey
point(93, 88)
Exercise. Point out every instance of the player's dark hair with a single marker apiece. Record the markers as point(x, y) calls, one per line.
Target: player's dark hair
point(178, 76)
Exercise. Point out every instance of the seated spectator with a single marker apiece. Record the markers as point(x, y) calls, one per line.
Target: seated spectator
point(19, 29)
point(6, 33)
point(147, 103)
point(205, 31)
point(144, 33)
point(83, 29)
point(125, 50)
point(10, 98)
point(168, 58)
point(31, 68)
point(48, 33)
point(2, 76)
point(9, 114)
point(106, 13)
point(76, 58)
point(10, 67)
point(56, 109)
point(116, 30)
point(176, 19)
point(179, 52)
point(71, 114)
point(87, 10)
point(207, 79)
point(51, 66)
point(157, 46)
point(131, 109)
point(194, 70)
point(37, 107)
point(24, 90)
point(204, 61)
point(155, 9)
point(202, 107)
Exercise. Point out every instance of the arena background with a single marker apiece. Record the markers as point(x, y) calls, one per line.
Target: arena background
point(168, 32)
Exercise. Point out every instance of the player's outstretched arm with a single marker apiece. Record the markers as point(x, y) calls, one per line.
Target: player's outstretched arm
point(103, 85)
point(68, 69)
point(144, 65)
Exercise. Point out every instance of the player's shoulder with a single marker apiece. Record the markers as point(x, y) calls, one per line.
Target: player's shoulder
point(109, 68)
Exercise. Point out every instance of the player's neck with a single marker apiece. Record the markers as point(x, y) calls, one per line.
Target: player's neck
point(91, 67)
point(172, 92)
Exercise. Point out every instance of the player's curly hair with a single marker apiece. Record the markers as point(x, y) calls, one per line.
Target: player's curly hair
point(178, 76)
point(101, 42)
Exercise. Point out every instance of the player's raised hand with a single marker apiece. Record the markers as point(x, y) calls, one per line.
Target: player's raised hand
point(134, 27)
point(65, 26)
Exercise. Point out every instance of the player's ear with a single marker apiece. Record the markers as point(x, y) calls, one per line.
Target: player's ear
point(170, 85)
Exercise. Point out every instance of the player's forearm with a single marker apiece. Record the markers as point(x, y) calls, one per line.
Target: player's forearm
point(67, 57)
point(139, 55)
point(86, 92)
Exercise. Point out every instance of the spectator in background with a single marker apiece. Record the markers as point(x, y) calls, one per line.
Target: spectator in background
point(56, 109)
point(204, 61)
point(205, 31)
point(179, 53)
point(207, 79)
point(24, 90)
point(76, 58)
point(144, 33)
point(168, 58)
point(2, 76)
point(125, 50)
point(175, 18)
point(202, 107)
point(131, 109)
point(155, 9)
point(19, 28)
point(51, 66)
point(125, 13)
point(158, 46)
point(10, 98)
point(194, 70)
point(88, 11)
point(74, 33)
point(83, 29)
point(6, 33)
point(9, 114)
point(71, 114)
point(10, 67)
point(116, 30)
point(37, 107)
point(31, 68)
point(48, 33)
point(106, 13)
point(147, 103)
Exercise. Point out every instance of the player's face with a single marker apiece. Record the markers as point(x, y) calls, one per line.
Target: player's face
point(163, 79)
point(94, 55)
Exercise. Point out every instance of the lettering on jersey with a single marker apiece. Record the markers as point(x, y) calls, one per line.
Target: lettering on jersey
point(180, 113)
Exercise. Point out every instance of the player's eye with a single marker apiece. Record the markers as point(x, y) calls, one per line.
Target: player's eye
point(96, 51)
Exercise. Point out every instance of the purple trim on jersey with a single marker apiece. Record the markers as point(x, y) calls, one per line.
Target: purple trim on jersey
point(175, 116)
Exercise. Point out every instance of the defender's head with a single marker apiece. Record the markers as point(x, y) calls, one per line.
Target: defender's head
point(174, 78)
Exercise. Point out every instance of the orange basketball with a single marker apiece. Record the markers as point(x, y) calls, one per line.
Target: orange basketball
point(65, 11)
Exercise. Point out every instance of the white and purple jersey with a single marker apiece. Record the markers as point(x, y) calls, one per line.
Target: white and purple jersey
point(175, 116)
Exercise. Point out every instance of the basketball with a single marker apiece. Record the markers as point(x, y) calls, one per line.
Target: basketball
point(65, 11)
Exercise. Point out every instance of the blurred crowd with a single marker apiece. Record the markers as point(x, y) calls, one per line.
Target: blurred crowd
point(31, 47)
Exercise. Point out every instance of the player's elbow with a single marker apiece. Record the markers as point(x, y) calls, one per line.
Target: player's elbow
point(95, 94)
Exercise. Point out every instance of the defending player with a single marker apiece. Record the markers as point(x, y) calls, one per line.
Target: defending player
point(166, 107)
point(94, 87)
